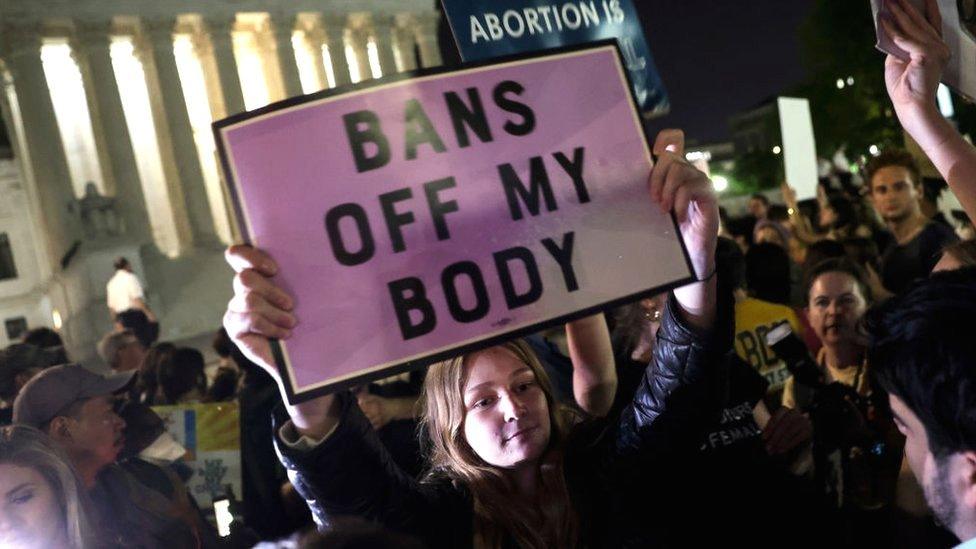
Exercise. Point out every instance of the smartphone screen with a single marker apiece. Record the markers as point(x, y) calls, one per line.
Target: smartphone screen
point(224, 516)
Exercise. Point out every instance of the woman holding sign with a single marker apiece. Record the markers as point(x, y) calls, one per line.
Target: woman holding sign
point(509, 466)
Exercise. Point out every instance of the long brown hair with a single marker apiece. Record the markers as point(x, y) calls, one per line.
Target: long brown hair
point(550, 520)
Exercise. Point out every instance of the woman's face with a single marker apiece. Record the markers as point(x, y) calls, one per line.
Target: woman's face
point(836, 305)
point(30, 516)
point(506, 419)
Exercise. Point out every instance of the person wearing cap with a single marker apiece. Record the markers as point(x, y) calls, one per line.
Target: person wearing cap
point(139, 503)
point(122, 351)
point(20, 362)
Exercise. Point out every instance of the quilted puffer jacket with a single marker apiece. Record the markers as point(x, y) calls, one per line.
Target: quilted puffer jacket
point(351, 473)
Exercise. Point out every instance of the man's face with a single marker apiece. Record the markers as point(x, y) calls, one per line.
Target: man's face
point(95, 432)
point(757, 208)
point(943, 480)
point(894, 193)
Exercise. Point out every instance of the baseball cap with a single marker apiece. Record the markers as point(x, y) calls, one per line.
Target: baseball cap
point(20, 357)
point(57, 388)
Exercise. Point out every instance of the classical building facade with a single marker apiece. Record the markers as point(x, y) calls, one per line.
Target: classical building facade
point(108, 106)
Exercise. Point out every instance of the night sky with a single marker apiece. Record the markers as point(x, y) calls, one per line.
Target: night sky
point(719, 57)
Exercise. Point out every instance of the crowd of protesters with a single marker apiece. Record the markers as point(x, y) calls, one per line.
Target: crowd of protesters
point(815, 385)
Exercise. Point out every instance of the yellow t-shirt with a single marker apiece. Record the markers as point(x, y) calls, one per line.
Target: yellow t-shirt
point(754, 319)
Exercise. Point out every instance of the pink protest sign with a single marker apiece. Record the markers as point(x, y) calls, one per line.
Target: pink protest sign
point(418, 218)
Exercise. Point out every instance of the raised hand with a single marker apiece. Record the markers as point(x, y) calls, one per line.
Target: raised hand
point(260, 310)
point(676, 184)
point(912, 83)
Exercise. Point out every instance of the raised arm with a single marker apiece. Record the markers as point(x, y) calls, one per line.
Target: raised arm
point(260, 310)
point(333, 456)
point(913, 84)
point(594, 371)
point(677, 185)
point(801, 225)
point(672, 398)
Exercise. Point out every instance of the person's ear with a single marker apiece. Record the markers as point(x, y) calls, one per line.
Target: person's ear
point(968, 464)
point(919, 191)
point(59, 429)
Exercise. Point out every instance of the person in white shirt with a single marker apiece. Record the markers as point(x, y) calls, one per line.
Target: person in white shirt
point(124, 291)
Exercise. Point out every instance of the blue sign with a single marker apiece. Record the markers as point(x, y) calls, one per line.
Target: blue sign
point(485, 29)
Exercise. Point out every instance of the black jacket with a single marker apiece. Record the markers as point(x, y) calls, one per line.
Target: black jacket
point(351, 473)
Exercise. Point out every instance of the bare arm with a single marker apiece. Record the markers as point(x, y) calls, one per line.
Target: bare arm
point(594, 370)
point(801, 225)
point(912, 86)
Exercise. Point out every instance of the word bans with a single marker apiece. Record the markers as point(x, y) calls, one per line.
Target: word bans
point(371, 147)
point(410, 294)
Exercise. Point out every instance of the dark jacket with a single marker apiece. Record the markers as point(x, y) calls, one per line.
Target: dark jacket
point(137, 504)
point(350, 473)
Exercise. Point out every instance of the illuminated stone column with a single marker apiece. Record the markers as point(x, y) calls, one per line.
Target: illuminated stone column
point(406, 41)
point(181, 164)
point(11, 119)
point(76, 39)
point(220, 30)
point(283, 26)
point(426, 33)
point(383, 29)
point(335, 36)
point(314, 40)
point(209, 94)
point(358, 39)
point(93, 54)
point(21, 48)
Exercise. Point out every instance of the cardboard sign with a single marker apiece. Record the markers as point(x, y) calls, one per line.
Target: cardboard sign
point(418, 218)
point(487, 29)
point(799, 147)
point(959, 33)
point(211, 433)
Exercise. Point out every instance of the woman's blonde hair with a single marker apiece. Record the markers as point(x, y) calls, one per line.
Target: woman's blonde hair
point(548, 522)
point(28, 447)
